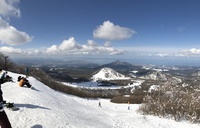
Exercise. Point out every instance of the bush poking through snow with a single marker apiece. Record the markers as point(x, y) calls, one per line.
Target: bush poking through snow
point(173, 102)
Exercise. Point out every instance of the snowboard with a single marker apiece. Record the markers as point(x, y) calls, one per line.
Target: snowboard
point(11, 106)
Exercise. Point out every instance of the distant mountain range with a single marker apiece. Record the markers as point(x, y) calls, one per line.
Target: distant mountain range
point(81, 71)
point(119, 65)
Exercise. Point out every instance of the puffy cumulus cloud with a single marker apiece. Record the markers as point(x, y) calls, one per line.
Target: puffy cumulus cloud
point(9, 7)
point(109, 31)
point(70, 46)
point(11, 36)
point(52, 50)
point(66, 46)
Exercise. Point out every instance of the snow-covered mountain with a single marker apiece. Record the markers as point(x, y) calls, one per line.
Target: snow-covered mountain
point(159, 75)
point(43, 107)
point(108, 74)
point(154, 75)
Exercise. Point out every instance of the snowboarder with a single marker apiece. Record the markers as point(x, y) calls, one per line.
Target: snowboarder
point(23, 81)
point(4, 121)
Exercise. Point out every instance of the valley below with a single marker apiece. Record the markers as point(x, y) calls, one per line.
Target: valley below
point(121, 81)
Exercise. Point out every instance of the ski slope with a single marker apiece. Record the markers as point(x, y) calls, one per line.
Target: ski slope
point(43, 107)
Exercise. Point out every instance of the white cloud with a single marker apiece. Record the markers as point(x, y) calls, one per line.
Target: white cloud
point(193, 51)
point(10, 50)
point(67, 47)
point(70, 46)
point(190, 52)
point(113, 51)
point(52, 50)
point(8, 8)
point(92, 43)
point(18, 52)
point(109, 31)
point(163, 54)
point(11, 36)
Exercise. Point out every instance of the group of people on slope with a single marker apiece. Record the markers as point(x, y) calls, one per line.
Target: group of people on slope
point(4, 121)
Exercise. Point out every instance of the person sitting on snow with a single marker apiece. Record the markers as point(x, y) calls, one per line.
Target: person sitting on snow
point(23, 81)
point(5, 77)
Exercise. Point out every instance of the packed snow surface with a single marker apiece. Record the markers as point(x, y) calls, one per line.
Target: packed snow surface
point(42, 107)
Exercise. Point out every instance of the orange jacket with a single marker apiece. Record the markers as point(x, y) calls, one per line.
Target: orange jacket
point(22, 82)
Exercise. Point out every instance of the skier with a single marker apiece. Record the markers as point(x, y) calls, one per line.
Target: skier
point(99, 104)
point(128, 105)
point(23, 81)
point(4, 121)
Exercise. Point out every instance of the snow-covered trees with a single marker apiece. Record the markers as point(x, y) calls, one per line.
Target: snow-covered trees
point(173, 102)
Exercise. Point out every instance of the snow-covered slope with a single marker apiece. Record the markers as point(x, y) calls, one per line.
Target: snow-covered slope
point(108, 74)
point(43, 107)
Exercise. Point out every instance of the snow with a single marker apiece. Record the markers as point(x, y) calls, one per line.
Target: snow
point(153, 88)
point(135, 84)
point(94, 85)
point(42, 107)
point(134, 71)
point(108, 74)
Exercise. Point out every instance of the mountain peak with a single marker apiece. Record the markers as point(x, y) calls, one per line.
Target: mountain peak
point(108, 74)
point(117, 62)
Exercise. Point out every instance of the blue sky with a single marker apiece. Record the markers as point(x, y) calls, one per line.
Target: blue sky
point(137, 31)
